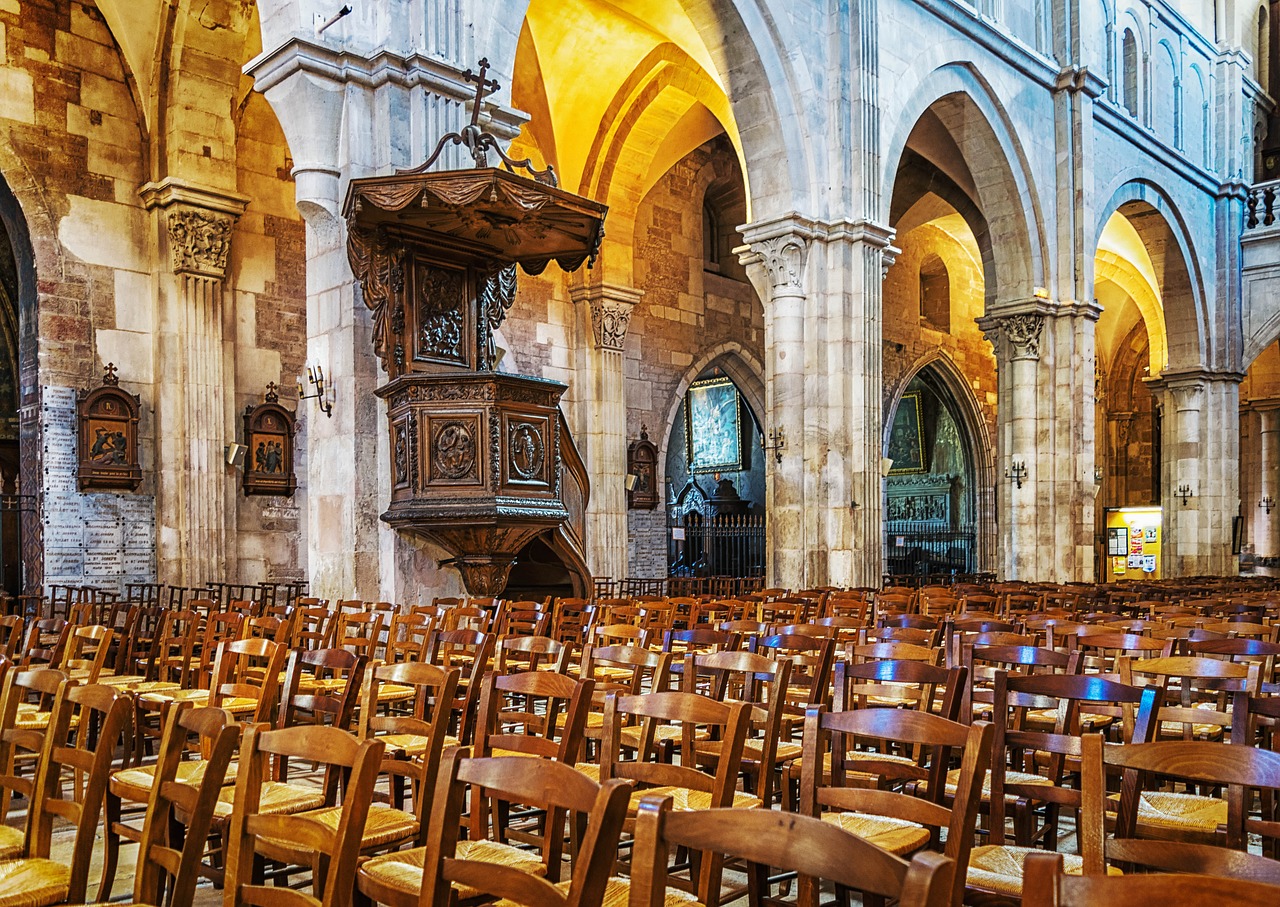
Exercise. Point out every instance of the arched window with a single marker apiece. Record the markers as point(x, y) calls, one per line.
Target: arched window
point(710, 238)
point(935, 293)
point(1129, 53)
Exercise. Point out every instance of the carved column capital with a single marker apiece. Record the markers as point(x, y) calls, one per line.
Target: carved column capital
point(1022, 331)
point(784, 258)
point(611, 306)
point(199, 241)
point(197, 223)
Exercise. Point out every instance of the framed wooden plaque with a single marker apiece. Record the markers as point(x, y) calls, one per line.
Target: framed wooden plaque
point(642, 464)
point(268, 435)
point(108, 437)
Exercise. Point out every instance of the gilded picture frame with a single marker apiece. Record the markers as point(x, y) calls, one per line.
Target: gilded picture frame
point(906, 439)
point(713, 426)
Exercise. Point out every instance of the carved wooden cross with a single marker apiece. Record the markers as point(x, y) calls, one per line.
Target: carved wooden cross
point(110, 376)
point(483, 87)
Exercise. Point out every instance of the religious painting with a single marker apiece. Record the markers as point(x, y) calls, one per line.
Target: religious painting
point(713, 426)
point(268, 435)
point(906, 440)
point(108, 442)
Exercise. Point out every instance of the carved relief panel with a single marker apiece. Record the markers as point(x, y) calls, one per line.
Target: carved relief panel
point(443, 329)
point(455, 444)
point(528, 449)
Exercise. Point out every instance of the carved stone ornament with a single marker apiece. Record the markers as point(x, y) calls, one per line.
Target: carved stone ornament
point(200, 242)
point(610, 319)
point(784, 258)
point(1023, 333)
point(108, 437)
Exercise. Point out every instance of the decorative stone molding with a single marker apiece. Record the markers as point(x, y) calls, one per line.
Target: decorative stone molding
point(611, 307)
point(199, 242)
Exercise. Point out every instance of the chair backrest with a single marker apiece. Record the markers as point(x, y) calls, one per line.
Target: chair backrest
point(359, 631)
point(767, 838)
point(21, 740)
point(810, 659)
point(690, 712)
point(471, 651)
point(313, 626)
point(1045, 882)
point(408, 636)
point(171, 653)
point(324, 683)
point(931, 741)
point(337, 750)
point(162, 866)
point(520, 713)
point(899, 684)
point(248, 669)
point(552, 786)
point(103, 718)
point(414, 741)
point(46, 639)
point(524, 618)
point(531, 653)
point(10, 635)
point(86, 651)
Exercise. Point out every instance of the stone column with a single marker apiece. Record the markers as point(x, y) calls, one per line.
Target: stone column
point(1046, 426)
point(605, 437)
point(1265, 525)
point(194, 422)
point(777, 265)
point(1201, 457)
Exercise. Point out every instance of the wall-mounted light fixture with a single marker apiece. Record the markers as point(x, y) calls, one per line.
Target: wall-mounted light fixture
point(322, 394)
point(777, 443)
point(1268, 503)
point(1184, 491)
point(1017, 471)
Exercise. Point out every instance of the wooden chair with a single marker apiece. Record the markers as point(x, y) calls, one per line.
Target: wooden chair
point(408, 636)
point(761, 682)
point(471, 652)
point(321, 686)
point(413, 739)
point(1048, 884)
point(45, 641)
point(450, 871)
point(766, 838)
point(360, 632)
point(572, 621)
point(100, 715)
point(534, 713)
point(219, 626)
point(85, 652)
point(331, 848)
point(531, 653)
point(182, 792)
point(10, 635)
point(524, 618)
point(625, 670)
point(22, 734)
point(916, 751)
point(313, 626)
point(172, 652)
point(1215, 840)
point(1046, 757)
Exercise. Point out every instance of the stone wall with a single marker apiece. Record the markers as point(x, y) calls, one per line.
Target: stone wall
point(75, 150)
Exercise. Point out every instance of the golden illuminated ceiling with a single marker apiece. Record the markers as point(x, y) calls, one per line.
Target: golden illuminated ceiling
point(1123, 262)
point(629, 89)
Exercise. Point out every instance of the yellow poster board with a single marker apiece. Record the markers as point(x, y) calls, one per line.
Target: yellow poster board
point(1133, 543)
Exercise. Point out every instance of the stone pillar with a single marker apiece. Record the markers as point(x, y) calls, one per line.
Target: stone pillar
point(1201, 458)
point(1046, 425)
point(605, 437)
point(777, 265)
point(194, 413)
point(824, 394)
point(1266, 526)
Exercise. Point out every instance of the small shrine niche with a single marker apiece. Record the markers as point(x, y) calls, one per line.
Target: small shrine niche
point(108, 437)
point(477, 457)
point(642, 469)
point(268, 435)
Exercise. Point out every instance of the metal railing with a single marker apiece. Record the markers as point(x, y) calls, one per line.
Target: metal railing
point(915, 550)
point(705, 545)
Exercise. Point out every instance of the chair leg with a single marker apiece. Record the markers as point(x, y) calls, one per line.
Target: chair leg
point(111, 847)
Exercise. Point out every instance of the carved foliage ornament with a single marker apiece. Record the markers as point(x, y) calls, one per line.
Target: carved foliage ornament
point(784, 257)
point(496, 295)
point(1023, 333)
point(200, 241)
point(378, 264)
point(609, 321)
